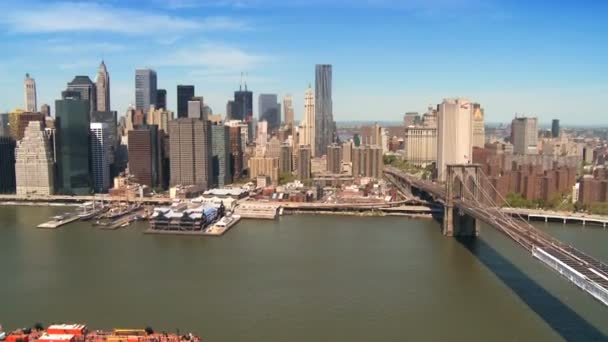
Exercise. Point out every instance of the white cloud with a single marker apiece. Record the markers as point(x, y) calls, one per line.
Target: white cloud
point(65, 47)
point(214, 57)
point(70, 16)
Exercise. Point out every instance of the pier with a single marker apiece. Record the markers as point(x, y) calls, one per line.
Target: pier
point(59, 221)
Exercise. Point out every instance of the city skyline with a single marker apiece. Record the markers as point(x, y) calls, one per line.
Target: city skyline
point(509, 71)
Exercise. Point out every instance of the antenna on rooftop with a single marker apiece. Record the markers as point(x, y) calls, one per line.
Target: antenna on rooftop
point(241, 85)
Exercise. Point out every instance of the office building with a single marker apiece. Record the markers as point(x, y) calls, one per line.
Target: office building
point(288, 110)
point(479, 131)
point(102, 88)
point(367, 161)
point(160, 117)
point(161, 99)
point(269, 110)
point(286, 158)
point(145, 89)
point(262, 134)
point(347, 152)
point(87, 90)
point(7, 165)
point(29, 93)
point(242, 108)
point(555, 128)
point(185, 93)
point(72, 124)
point(220, 150)
point(334, 158)
point(113, 139)
point(139, 118)
point(190, 152)
point(19, 120)
point(236, 152)
point(454, 134)
point(273, 148)
point(145, 155)
point(420, 145)
point(100, 156)
point(307, 126)
point(304, 157)
point(195, 108)
point(34, 170)
point(229, 110)
point(524, 135)
point(45, 109)
point(324, 119)
point(264, 166)
point(208, 113)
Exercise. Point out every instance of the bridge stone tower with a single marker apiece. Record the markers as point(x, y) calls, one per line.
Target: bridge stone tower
point(461, 184)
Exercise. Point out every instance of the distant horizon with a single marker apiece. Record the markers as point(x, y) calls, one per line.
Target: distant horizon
point(523, 60)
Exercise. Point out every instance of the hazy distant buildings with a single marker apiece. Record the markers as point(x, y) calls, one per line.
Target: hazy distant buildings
point(102, 88)
point(145, 89)
point(190, 152)
point(288, 110)
point(479, 131)
point(307, 126)
point(454, 134)
point(45, 109)
point(185, 93)
point(72, 141)
point(524, 135)
point(34, 168)
point(420, 145)
point(100, 156)
point(7, 165)
point(160, 117)
point(411, 119)
point(87, 90)
point(555, 128)
point(269, 110)
point(324, 120)
point(29, 91)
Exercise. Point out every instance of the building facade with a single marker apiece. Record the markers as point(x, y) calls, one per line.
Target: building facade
point(145, 89)
point(220, 146)
point(87, 90)
point(145, 155)
point(161, 98)
point(367, 161)
point(454, 134)
point(185, 93)
point(190, 152)
point(100, 156)
point(286, 158)
point(334, 158)
point(269, 110)
point(307, 126)
point(7, 165)
point(263, 166)
point(324, 119)
point(288, 111)
point(420, 145)
point(19, 120)
point(304, 157)
point(524, 135)
point(479, 130)
point(34, 169)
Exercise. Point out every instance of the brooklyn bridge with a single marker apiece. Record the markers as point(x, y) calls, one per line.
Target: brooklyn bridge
point(466, 197)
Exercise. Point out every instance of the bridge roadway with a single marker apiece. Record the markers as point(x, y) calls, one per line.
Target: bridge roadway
point(518, 230)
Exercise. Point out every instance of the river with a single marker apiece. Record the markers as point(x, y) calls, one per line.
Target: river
point(301, 278)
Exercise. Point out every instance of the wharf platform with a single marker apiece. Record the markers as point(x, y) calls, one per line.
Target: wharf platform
point(222, 226)
point(257, 210)
point(56, 223)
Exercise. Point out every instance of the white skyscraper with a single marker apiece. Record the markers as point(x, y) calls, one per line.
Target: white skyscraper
point(102, 83)
point(454, 134)
point(34, 169)
point(307, 126)
point(100, 156)
point(262, 134)
point(29, 86)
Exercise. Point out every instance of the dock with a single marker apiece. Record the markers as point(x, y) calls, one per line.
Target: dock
point(257, 210)
point(58, 221)
point(222, 226)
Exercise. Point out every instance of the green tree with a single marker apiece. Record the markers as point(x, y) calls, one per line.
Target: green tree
point(286, 177)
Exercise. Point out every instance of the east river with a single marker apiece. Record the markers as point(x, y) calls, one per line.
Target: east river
point(301, 278)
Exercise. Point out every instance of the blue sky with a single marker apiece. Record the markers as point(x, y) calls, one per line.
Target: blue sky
point(542, 58)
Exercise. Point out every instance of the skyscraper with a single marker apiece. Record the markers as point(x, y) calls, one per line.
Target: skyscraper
point(454, 134)
point(220, 146)
point(286, 158)
point(479, 130)
point(100, 156)
point(87, 90)
point(262, 134)
point(161, 98)
point(555, 128)
point(34, 162)
point(102, 87)
point(190, 152)
point(334, 158)
point(229, 110)
point(7, 165)
point(307, 126)
point(288, 110)
point(185, 93)
point(195, 108)
point(145, 89)
point(145, 155)
point(524, 135)
point(29, 91)
point(269, 110)
point(160, 117)
point(304, 156)
point(242, 109)
point(324, 119)
point(236, 152)
point(72, 144)
point(19, 120)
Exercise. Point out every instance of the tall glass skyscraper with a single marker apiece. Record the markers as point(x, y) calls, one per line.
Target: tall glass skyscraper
point(145, 89)
point(324, 117)
point(185, 93)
